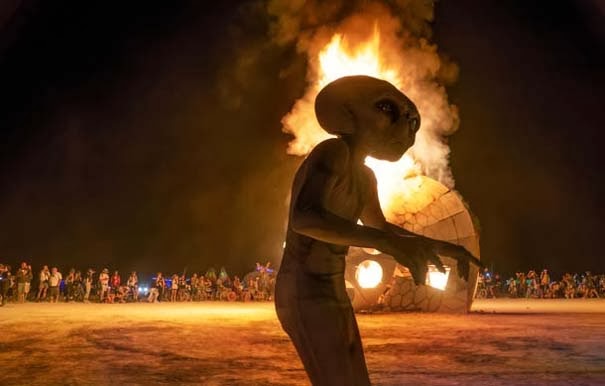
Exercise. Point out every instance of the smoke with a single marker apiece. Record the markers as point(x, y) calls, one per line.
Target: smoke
point(406, 52)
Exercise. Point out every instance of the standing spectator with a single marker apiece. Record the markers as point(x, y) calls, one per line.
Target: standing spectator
point(184, 291)
point(133, 285)
point(208, 288)
point(202, 287)
point(252, 287)
point(43, 277)
point(211, 276)
point(237, 287)
point(194, 282)
point(77, 287)
point(28, 282)
point(545, 282)
point(54, 282)
point(218, 288)
point(103, 285)
point(69, 285)
point(531, 283)
point(160, 284)
point(591, 287)
point(115, 282)
point(271, 286)
point(88, 280)
point(582, 290)
point(512, 287)
point(224, 276)
point(5, 282)
point(522, 287)
point(174, 287)
point(24, 278)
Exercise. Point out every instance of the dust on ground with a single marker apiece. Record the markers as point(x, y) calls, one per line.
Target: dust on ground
point(502, 342)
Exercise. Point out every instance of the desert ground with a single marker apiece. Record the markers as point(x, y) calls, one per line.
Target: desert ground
point(502, 342)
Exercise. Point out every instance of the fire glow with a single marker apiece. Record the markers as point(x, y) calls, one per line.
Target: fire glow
point(368, 274)
point(413, 66)
point(437, 279)
point(335, 60)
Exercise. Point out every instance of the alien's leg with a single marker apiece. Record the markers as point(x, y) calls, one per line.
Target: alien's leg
point(324, 332)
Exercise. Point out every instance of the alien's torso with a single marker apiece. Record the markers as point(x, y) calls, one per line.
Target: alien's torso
point(345, 199)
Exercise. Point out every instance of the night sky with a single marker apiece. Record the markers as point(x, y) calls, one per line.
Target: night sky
point(147, 135)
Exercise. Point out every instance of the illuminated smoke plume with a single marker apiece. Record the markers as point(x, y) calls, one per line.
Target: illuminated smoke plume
point(397, 34)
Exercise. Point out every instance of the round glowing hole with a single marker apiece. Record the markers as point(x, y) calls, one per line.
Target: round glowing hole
point(368, 274)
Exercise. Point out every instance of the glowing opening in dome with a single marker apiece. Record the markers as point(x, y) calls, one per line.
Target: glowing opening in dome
point(368, 274)
point(437, 279)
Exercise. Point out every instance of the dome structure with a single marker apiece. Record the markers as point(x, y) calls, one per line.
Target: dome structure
point(430, 209)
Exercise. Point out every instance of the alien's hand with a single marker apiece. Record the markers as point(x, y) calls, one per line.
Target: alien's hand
point(417, 252)
point(463, 257)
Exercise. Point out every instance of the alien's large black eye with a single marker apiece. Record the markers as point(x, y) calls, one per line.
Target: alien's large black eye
point(389, 108)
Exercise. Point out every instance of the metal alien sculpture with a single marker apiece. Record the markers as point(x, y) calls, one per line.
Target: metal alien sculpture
point(332, 190)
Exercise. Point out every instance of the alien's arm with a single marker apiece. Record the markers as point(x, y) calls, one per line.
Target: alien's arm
point(326, 164)
point(372, 215)
point(426, 248)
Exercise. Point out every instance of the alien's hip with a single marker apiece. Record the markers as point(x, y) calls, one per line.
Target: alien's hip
point(295, 287)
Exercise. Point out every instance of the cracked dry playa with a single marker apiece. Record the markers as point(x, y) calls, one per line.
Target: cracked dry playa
point(508, 342)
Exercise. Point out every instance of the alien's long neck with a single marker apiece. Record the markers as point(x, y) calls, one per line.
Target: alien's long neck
point(357, 152)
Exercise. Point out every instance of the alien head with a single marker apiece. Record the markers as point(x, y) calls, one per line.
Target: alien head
point(369, 112)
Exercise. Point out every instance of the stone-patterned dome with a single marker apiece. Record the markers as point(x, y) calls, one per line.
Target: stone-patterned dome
point(431, 209)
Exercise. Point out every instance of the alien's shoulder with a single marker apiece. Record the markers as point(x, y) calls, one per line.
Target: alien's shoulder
point(369, 174)
point(332, 153)
point(331, 149)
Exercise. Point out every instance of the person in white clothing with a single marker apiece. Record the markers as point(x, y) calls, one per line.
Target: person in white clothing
point(103, 285)
point(54, 281)
point(43, 276)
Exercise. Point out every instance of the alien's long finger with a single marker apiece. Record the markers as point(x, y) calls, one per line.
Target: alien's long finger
point(434, 258)
point(463, 269)
point(470, 259)
point(476, 261)
point(464, 256)
point(416, 274)
point(422, 272)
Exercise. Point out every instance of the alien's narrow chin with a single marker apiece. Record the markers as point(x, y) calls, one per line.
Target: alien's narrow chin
point(388, 156)
point(392, 152)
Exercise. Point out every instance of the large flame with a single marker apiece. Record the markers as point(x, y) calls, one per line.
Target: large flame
point(335, 61)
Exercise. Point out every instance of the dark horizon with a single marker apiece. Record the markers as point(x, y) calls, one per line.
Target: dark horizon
point(132, 138)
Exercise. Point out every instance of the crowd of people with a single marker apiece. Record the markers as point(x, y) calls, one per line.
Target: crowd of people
point(541, 285)
point(50, 285)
